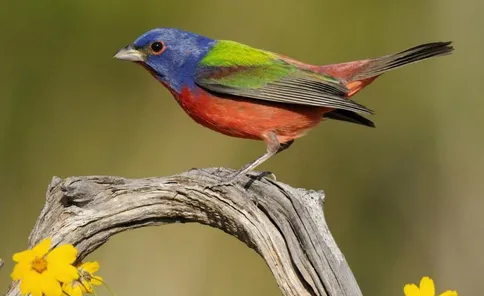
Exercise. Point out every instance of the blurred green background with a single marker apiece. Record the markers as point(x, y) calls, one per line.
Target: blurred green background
point(403, 200)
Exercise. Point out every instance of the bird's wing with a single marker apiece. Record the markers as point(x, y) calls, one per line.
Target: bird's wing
point(239, 70)
point(348, 116)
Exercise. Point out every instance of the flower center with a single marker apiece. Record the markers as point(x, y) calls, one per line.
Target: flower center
point(39, 264)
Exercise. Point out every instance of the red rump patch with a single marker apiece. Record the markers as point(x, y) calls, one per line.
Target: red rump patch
point(357, 85)
point(346, 71)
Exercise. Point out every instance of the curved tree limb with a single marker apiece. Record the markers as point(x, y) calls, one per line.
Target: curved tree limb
point(286, 226)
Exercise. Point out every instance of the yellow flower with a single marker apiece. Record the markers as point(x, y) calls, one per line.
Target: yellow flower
point(40, 271)
point(426, 288)
point(86, 280)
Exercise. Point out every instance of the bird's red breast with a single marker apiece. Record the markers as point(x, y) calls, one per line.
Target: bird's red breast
point(245, 118)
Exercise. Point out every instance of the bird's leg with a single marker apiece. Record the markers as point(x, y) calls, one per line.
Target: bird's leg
point(282, 147)
point(273, 147)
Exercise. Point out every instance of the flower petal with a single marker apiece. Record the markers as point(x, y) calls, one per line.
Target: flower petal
point(411, 290)
point(90, 267)
point(63, 272)
point(97, 280)
point(427, 287)
point(36, 292)
point(65, 254)
point(25, 256)
point(449, 293)
point(67, 288)
point(31, 283)
point(72, 289)
point(86, 286)
point(25, 285)
point(19, 270)
point(42, 247)
point(50, 287)
point(76, 291)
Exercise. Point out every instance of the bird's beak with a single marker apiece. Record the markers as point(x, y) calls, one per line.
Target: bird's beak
point(129, 54)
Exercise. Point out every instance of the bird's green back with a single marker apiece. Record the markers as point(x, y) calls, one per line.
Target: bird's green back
point(227, 53)
point(238, 65)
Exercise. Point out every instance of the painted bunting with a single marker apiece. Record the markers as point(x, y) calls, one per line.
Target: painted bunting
point(245, 92)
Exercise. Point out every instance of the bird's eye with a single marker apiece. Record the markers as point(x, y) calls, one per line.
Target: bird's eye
point(157, 47)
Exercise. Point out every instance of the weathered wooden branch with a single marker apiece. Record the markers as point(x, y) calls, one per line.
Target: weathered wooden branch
point(286, 226)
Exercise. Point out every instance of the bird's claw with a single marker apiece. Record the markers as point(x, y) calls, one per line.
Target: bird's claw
point(232, 179)
point(268, 174)
point(227, 182)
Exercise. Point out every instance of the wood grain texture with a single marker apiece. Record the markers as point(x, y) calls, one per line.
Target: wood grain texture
point(285, 225)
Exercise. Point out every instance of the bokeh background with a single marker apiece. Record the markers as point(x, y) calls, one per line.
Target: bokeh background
point(403, 200)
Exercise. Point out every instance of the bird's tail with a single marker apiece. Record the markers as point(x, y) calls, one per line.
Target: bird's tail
point(359, 74)
point(378, 66)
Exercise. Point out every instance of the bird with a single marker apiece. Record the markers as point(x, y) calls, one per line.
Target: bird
point(250, 93)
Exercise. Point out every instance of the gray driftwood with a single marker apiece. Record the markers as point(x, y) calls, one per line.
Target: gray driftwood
point(286, 226)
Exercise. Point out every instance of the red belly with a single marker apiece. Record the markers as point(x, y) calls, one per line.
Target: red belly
point(247, 118)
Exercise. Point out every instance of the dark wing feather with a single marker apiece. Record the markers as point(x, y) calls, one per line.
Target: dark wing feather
point(348, 116)
point(291, 86)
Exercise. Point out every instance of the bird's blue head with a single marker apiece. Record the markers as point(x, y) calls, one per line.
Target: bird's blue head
point(171, 55)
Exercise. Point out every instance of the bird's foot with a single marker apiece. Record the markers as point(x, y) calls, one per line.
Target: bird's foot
point(266, 174)
point(231, 180)
point(227, 181)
